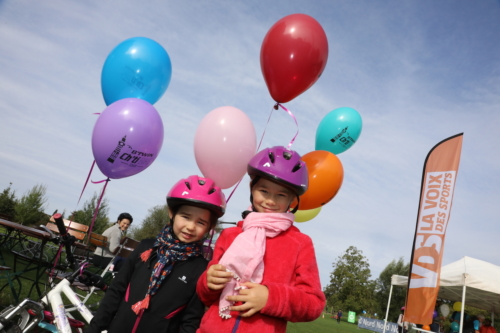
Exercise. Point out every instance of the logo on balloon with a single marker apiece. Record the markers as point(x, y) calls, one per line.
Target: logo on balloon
point(117, 150)
point(344, 140)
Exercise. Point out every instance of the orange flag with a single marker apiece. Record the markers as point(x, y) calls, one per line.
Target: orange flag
point(438, 184)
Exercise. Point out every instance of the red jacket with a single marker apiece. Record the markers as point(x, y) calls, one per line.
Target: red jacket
point(290, 274)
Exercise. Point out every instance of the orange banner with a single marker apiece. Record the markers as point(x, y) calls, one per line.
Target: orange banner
point(438, 184)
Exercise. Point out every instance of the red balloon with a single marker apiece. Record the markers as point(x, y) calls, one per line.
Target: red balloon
point(293, 56)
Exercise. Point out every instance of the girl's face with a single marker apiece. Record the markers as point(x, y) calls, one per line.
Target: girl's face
point(270, 197)
point(124, 224)
point(191, 223)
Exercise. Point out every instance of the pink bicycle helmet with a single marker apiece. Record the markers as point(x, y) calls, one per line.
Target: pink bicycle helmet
point(198, 191)
point(281, 165)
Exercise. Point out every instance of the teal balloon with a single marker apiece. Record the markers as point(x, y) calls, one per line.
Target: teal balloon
point(339, 130)
point(138, 67)
point(454, 326)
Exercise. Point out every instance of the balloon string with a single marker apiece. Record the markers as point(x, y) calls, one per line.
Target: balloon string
point(295, 119)
point(100, 181)
point(96, 211)
point(86, 182)
point(58, 255)
point(265, 128)
point(258, 147)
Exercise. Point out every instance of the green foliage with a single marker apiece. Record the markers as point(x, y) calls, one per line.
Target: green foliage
point(152, 224)
point(86, 214)
point(350, 288)
point(398, 293)
point(8, 203)
point(29, 210)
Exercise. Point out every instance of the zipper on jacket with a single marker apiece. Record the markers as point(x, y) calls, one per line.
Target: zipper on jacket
point(236, 324)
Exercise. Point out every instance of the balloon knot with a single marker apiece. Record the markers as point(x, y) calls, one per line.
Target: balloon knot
point(276, 106)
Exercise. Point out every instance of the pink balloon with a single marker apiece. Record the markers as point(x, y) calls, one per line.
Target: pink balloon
point(224, 143)
point(127, 138)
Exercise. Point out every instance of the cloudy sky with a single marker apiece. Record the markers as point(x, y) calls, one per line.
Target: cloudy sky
point(417, 72)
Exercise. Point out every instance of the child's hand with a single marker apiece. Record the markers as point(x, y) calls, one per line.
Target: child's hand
point(218, 277)
point(255, 298)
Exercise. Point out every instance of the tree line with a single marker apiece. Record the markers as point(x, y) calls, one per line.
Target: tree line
point(352, 289)
point(30, 208)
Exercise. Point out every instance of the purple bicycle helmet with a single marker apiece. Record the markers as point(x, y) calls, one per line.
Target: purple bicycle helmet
point(281, 165)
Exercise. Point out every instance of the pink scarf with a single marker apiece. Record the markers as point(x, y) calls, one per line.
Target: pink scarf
point(245, 255)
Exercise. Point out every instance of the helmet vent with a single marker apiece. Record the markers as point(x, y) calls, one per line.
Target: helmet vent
point(201, 182)
point(188, 185)
point(212, 190)
point(287, 155)
point(271, 157)
point(297, 167)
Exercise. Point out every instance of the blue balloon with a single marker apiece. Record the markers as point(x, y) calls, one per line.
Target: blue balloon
point(339, 130)
point(454, 326)
point(138, 67)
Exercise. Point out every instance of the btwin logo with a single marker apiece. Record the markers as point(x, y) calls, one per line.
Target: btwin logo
point(183, 279)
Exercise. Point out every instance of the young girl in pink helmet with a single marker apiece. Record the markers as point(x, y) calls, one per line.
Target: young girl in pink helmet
point(155, 289)
point(264, 271)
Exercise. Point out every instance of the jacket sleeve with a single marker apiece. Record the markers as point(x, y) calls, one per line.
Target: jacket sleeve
point(209, 296)
point(191, 316)
point(302, 301)
point(114, 239)
point(114, 295)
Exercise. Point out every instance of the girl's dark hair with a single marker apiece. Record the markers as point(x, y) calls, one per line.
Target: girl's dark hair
point(127, 216)
point(213, 218)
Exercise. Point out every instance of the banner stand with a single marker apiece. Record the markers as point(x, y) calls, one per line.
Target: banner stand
point(387, 311)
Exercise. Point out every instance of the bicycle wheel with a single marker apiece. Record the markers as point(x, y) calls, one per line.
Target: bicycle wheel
point(19, 321)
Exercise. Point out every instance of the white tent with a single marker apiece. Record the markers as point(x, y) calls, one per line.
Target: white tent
point(470, 281)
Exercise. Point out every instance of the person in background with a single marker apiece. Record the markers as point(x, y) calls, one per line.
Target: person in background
point(472, 323)
point(339, 316)
point(486, 327)
point(402, 326)
point(103, 255)
point(435, 325)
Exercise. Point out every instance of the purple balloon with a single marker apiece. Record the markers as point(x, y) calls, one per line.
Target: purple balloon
point(127, 138)
point(435, 315)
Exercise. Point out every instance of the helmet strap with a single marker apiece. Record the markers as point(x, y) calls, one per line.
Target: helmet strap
point(296, 208)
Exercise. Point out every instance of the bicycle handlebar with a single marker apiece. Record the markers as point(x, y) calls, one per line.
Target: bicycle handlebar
point(66, 239)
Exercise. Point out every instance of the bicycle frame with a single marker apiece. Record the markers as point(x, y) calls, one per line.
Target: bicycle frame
point(55, 301)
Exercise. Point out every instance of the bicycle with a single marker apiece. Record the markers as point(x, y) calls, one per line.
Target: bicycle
point(29, 314)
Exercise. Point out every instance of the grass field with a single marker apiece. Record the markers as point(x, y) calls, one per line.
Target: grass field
point(321, 325)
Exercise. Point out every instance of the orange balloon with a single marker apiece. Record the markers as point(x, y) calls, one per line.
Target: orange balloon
point(426, 327)
point(325, 179)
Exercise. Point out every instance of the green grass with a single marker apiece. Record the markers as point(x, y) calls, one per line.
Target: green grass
point(326, 324)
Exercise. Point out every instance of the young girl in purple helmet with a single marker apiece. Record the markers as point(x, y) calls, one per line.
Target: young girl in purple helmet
point(155, 290)
point(264, 271)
